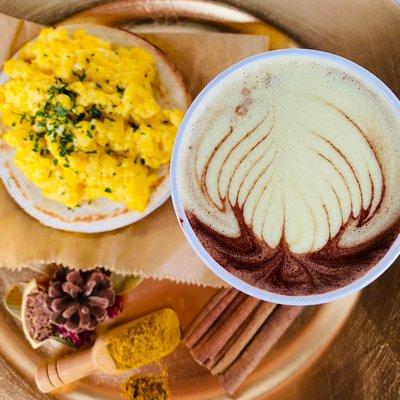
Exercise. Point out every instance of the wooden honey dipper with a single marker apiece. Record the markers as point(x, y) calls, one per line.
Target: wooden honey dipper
point(126, 339)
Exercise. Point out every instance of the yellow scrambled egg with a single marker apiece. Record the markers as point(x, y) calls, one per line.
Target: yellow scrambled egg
point(84, 119)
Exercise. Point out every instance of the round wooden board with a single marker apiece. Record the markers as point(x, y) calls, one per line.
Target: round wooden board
point(362, 363)
point(301, 345)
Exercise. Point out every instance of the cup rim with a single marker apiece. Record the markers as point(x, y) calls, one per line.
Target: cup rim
point(384, 263)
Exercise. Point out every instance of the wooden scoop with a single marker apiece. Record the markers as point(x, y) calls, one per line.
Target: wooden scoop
point(131, 342)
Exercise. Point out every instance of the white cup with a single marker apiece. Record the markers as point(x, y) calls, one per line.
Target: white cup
point(195, 243)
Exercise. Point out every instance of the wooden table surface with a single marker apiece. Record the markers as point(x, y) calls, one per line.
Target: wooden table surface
point(363, 362)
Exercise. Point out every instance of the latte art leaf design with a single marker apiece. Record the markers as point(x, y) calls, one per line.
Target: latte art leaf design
point(295, 183)
point(288, 173)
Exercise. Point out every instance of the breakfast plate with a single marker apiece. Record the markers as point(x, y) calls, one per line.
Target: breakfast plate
point(100, 214)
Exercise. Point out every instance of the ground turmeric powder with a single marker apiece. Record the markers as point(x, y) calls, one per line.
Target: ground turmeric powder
point(150, 338)
point(153, 387)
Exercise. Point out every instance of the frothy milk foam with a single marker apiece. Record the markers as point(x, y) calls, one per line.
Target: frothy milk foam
point(289, 171)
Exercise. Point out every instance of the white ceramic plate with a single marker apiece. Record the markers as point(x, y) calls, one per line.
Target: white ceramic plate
point(102, 214)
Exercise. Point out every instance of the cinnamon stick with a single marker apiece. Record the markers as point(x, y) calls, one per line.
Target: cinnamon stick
point(234, 332)
point(210, 313)
point(269, 333)
point(233, 349)
point(208, 348)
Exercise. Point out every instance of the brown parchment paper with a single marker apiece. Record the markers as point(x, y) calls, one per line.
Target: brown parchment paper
point(154, 247)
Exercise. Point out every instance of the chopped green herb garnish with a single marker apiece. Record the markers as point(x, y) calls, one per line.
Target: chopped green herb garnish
point(120, 89)
point(55, 90)
point(139, 159)
point(80, 117)
point(134, 125)
point(44, 152)
point(95, 112)
point(107, 190)
point(60, 110)
point(65, 144)
point(81, 76)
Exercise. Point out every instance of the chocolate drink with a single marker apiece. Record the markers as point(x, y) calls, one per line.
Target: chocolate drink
point(289, 172)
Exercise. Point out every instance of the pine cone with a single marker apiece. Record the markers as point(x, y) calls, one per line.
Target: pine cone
point(78, 300)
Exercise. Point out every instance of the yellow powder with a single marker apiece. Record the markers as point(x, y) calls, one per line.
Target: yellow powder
point(154, 387)
point(150, 338)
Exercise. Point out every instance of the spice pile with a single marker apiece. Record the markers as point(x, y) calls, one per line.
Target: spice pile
point(140, 387)
point(145, 340)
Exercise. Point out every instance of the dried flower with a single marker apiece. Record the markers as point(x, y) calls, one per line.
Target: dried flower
point(116, 308)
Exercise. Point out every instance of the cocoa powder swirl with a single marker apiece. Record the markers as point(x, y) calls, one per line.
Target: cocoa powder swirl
point(289, 175)
point(283, 272)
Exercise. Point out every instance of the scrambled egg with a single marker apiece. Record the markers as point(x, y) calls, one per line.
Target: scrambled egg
point(84, 119)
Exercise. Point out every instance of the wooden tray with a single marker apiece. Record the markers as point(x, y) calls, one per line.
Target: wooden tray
point(302, 344)
point(294, 369)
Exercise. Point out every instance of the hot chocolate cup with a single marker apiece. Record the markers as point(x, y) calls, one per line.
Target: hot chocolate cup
point(343, 288)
